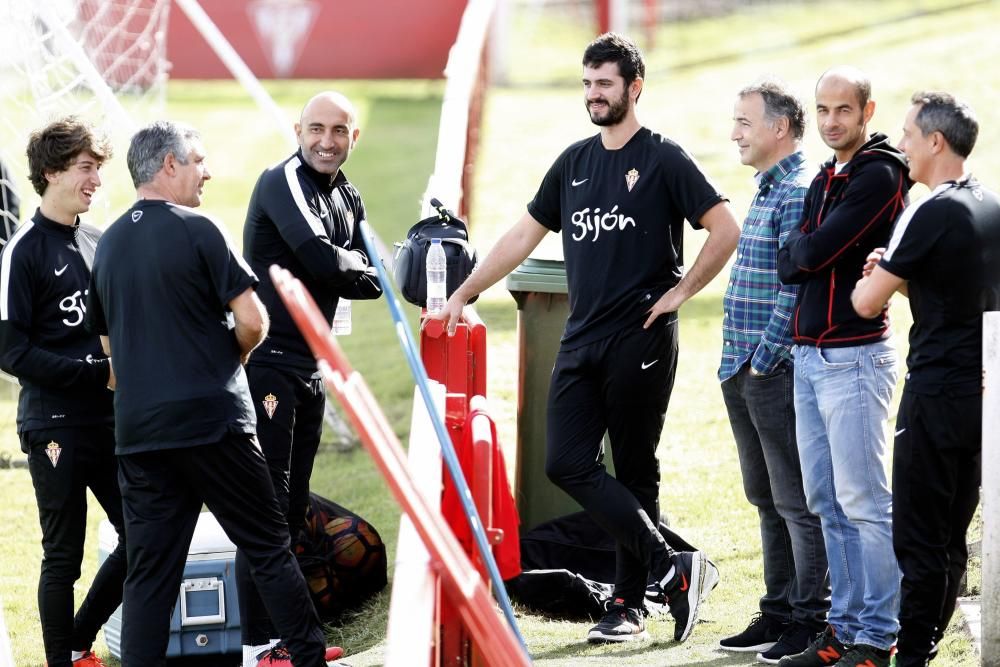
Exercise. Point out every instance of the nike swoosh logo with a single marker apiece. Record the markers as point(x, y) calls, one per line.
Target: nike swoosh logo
point(900, 431)
point(684, 582)
point(59, 272)
point(647, 365)
point(576, 182)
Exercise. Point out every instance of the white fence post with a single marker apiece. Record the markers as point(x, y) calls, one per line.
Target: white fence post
point(991, 490)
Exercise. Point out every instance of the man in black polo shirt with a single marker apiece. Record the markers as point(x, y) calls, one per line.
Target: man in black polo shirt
point(176, 304)
point(304, 216)
point(945, 255)
point(64, 415)
point(620, 199)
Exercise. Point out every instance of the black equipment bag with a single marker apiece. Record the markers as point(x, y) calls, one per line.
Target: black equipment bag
point(410, 260)
point(567, 563)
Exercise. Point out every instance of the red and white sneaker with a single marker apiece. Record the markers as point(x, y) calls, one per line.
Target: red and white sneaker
point(88, 659)
point(278, 656)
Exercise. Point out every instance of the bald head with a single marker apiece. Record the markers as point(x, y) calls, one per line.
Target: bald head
point(843, 109)
point(327, 131)
point(326, 101)
point(850, 76)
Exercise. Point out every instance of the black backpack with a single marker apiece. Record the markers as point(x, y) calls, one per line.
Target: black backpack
point(410, 259)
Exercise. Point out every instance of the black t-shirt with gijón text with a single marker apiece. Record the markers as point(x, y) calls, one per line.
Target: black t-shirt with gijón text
point(621, 215)
point(162, 280)
point(947, 247)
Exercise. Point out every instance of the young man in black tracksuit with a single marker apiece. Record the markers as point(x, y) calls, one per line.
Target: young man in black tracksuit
point(304, 216)
point(845, 371)
point(64, 415)
point(945, 256)
point(619, 199)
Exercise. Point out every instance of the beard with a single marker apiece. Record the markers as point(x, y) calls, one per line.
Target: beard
point(615, 112)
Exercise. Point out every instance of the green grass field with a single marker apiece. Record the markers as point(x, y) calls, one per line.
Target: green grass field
point(693, 72)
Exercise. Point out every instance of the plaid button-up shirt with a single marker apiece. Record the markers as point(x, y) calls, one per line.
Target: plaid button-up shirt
point(757, 308)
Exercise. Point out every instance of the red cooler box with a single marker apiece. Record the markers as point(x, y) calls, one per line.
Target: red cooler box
point(206, 616)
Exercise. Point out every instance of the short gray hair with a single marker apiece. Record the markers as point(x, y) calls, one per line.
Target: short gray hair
point(779, 102)
point(953, 118)
point(151, 144)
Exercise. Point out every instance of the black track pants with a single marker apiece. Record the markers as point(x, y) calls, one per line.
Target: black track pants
point(620, 385)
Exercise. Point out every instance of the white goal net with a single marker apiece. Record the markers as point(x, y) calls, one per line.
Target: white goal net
point(102, 60)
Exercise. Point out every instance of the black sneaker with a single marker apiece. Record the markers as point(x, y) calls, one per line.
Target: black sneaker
point(656, 596)
point(685, 590)
point(793, 640)
point(864, 655)
point(826, 649)
point(761, 634)
point(620, 624)
point(711, 578)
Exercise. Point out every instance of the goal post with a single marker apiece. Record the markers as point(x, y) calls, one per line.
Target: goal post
point(991, 490)
point(461, 110)
point(101, 60)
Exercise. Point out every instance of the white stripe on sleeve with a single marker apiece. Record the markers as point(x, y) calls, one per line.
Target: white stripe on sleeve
point(904, 220)
point(292, 178)
point(8, 254)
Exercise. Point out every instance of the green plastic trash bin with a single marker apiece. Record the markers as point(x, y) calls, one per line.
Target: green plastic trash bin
point(539, 288)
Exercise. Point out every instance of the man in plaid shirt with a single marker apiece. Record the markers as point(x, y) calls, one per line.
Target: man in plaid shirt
point(756, 376)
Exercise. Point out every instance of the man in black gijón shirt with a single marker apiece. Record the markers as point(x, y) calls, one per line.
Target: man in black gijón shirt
point(620, 199)
point(945, 255)
point(304, 216)
point(64, 415)
point(175, 302)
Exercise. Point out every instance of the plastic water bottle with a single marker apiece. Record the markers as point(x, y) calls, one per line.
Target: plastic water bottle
point(437, 276)
point(342, 318)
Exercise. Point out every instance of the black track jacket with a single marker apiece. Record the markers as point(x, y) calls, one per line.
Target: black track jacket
point(44, 279)
point(847, 215)
point(308, 223)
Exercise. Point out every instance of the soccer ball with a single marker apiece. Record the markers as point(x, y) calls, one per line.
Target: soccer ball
point(357, 548)
point(341, 557)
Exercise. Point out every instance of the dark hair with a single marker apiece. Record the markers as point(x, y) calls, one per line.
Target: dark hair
point(953, 118)
point(54, 147)
point(151, 144)
point(614, 48)
point(779, 102)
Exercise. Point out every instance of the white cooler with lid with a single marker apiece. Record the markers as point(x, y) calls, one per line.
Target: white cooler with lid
point(206, 616)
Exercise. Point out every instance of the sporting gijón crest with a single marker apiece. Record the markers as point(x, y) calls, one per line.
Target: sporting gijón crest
point(53, 450)
point(270, 404)
point(631, 178)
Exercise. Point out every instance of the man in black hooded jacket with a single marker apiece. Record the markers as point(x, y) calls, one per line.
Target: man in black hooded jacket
point(845, 371)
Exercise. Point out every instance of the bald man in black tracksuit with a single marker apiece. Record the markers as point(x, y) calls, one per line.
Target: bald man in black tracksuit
point(304, 215)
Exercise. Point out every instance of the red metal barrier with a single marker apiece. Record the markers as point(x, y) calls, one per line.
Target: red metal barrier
point(459, 363)
point(462, 584)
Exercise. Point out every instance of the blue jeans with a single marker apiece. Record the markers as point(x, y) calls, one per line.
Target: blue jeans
point(842, 399)
point(762, 415)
